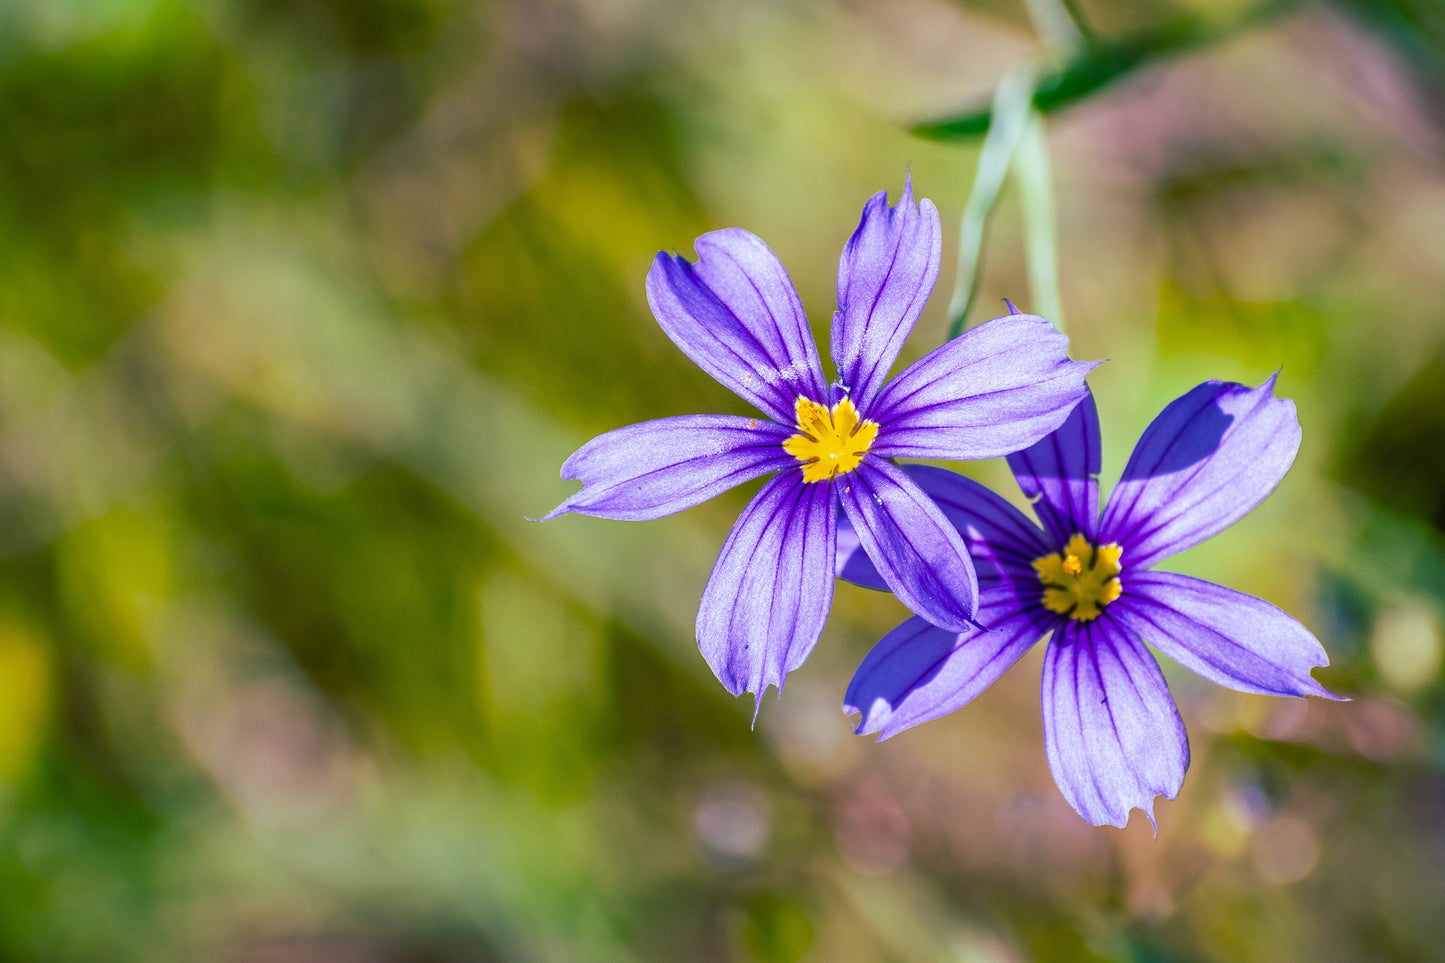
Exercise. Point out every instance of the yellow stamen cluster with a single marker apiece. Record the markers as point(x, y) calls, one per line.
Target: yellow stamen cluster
point(1081, 580)
point(829, 443)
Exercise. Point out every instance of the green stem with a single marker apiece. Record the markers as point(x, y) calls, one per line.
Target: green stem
point(1011, 106)
point(1034, 176)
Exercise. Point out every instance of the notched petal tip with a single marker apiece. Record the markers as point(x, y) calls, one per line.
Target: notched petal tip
point(1112, 734)
point(1120, 820)
point(736, 314)
point(1318, 691)
point(859, 723)
point(873, 720)
point(905, 199)
point(1227, 636)
point(758, 706)
point(567, 503)
point(569, 472)
point(907, 202)
point(1148, 812)
point(886, 273)
point(1208, 459)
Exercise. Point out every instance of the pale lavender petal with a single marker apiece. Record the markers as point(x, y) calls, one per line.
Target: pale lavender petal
point(736, 314)
point(885, 275)
point(919, 554)
point(655, 468)
point(1113, 736)
point(1000, 540)
point(1226, 636)
point(921, 672)
point(769, 593)
point(992, 390)
point(1203, 464)
point(1060, 474)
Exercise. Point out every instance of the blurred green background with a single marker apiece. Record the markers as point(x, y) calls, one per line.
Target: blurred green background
point(304, 302)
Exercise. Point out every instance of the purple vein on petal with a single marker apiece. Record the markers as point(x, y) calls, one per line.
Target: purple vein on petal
point(919, 554)
point(769, 593)
point(885, 274)
point(1204, 463)
point(656, 468)
point(736, 314)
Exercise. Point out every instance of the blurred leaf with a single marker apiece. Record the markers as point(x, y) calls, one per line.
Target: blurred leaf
point(1101, 63)
point(93, 138)
point(540, 677)
point(777, 930)
point(570, 257)
point(25, 696)
point(1413, 28)
point(1400, 463)
point(117, 574)
point(1262, 335)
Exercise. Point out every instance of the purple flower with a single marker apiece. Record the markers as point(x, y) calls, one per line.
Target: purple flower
point(1113, 736)
point(993, 390)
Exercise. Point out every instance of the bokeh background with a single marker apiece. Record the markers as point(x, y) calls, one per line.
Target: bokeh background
point(304, 302)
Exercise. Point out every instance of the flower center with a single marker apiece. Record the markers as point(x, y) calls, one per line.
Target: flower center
point(1081, 580)
point(829, 443)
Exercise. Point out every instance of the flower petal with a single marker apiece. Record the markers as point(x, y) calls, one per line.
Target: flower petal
point(919, 554)
point(1113, 736)
point(921, 672)
point(1203, 464)
point(1060, 475)
point(1226, 636)
point(1001, 541)
point(1000, 538)
point(769, 593)
point(656, 468)
point(885, 275)
point(992, 390)
point(735, 312)
point(853, 563)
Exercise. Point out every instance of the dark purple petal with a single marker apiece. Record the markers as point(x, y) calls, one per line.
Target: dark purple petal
point(655, 468)
point(921, 672)
point(1226, 636)
point(1208, 459)
point(1113, 736)
point(736, 314)
point(853, 563)
point(992, 390)
point(885, 275)
point(919, 554)
point(1000, 540)
point(1060, 475)
point(769, 593)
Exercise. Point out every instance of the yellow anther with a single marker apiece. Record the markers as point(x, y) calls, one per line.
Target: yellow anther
point(829, 443)
point(1081, 580)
